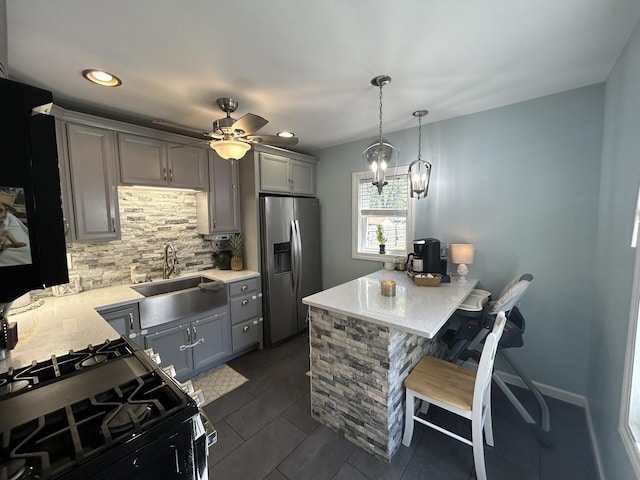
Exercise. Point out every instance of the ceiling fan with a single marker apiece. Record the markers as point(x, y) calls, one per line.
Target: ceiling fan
point(232, 138)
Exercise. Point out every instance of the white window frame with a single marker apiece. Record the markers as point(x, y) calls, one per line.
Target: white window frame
point(629, 426)
point(356, 177)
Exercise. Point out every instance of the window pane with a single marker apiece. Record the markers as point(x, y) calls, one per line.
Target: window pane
point(394, 195)
point(395, 230)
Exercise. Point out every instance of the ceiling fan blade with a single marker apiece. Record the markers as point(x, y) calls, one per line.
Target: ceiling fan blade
point(273, 140)
point(182, 145)
point(249, 123)
point(181, 127)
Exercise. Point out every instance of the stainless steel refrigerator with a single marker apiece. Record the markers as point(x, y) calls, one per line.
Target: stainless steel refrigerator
point(290, 241)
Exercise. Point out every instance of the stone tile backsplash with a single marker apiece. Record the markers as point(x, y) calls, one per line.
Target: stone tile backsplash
point(148, 220)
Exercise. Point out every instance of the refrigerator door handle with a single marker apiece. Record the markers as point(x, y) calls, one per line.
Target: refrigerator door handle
point(299, 259)
point(294, 255)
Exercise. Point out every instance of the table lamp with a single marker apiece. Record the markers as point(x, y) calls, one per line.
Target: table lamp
point(462, 254)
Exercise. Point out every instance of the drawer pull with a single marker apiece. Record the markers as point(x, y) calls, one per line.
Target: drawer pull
point(255, 322)
point(246, 328)
point(245, 302)
point(244, 287)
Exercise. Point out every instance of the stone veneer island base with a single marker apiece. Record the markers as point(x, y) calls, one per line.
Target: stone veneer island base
point(358, 368)
point(362, 347)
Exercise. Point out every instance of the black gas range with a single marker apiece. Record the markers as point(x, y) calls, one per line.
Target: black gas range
point(100, 413)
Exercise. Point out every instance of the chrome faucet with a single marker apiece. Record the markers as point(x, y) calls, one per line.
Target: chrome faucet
point(170, 260)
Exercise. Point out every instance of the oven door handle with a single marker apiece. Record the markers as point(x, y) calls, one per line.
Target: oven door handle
point(191, 345)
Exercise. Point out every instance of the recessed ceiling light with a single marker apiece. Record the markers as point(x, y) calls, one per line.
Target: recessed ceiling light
point(286, 134)
point(101, 77)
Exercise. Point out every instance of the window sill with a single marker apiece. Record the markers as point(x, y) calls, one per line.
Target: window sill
point(378, 257)
point(629, 434)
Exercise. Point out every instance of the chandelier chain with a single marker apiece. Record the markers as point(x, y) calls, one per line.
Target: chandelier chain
point(380, 116)
point(419, 136)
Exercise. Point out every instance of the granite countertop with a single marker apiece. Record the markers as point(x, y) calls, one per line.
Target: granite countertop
point(418, 310)
point(72, 322)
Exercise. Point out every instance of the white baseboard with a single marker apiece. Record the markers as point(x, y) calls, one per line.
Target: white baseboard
point(573, 399)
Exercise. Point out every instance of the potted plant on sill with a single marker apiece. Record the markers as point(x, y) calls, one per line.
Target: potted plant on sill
point(382, 240)
point(236, 244)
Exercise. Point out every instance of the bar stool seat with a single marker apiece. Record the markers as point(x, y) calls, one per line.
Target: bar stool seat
point(460, 391)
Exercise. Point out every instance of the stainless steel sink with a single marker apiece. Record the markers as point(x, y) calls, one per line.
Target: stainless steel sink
point(152, 289)
point(179, 298)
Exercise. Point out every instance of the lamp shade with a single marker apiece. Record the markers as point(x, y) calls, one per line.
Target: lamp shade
point(230, 149)
point(462, 253)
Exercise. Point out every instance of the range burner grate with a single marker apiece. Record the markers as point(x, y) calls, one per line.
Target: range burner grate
point(38, 373)
point(59, 440)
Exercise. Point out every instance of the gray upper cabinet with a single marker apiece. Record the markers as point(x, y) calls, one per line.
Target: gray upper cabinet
point(218, 210)
point(280, 174)
point(88, 168)
point(152, 162)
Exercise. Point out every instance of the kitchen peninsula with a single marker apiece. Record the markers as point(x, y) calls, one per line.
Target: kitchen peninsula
point(364, 344)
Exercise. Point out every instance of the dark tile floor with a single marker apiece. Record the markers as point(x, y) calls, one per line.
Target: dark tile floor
point(265, 431)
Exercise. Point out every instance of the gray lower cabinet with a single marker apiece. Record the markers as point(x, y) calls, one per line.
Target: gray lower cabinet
point(192, 346)
point(125, 320)
point(245, 300)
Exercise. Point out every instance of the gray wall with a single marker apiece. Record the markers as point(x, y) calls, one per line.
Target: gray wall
point(521, 182)
point(615, 257)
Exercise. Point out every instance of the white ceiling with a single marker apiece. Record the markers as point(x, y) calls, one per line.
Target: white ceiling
point(306, 65)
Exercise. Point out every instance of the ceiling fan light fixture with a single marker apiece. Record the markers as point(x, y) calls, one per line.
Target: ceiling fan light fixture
point(286, 134)
point(230, 149)
point(101, 77)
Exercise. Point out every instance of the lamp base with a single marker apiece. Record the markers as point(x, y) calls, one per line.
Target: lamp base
point(462, 272)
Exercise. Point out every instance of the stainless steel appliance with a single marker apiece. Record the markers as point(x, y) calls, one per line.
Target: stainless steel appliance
point(290, 240)
point(104, 412)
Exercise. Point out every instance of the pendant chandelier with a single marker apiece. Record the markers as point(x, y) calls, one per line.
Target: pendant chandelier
point(378, 155)
point(419, 170)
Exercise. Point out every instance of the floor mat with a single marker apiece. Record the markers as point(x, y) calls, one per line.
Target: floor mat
point(217, 382)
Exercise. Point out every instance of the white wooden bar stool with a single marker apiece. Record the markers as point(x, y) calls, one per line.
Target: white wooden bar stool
point(458, 390)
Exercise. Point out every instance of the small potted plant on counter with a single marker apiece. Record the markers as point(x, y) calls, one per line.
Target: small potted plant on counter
point(236, 244)
point(381, 238)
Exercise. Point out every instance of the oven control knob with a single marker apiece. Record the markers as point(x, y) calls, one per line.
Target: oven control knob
point(198, 396)
point(156, 358)
point(170, 371)
point(187, 386)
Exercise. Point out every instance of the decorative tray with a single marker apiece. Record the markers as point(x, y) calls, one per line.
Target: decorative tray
point(425, 279)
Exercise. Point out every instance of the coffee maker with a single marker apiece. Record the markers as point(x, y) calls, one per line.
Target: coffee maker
point(426, 256)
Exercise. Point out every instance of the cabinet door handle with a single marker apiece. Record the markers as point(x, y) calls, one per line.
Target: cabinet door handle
point(195, 333)
point(246, 328)
point(188, 335)
point(245, 302)
point(191, 345)
point(113, 223)
point(131, 321)
point(164, 174)
point(171, 174)
point(244, 287)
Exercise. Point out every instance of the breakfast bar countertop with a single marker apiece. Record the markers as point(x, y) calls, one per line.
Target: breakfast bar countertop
point(72, 322)
point(414, 309)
